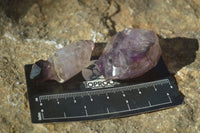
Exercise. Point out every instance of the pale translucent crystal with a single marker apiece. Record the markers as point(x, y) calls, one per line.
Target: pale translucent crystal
point(65, 63)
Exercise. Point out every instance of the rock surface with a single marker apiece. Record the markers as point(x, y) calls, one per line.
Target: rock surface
point(35, 32)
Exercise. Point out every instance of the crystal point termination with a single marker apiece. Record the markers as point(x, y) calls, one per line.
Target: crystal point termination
point(65, 63)
point(130, 54)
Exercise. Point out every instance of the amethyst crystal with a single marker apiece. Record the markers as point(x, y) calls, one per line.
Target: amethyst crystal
point(92, 71)
point(129, 54)
point(65, 63)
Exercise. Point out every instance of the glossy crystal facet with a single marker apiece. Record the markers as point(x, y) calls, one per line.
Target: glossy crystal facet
point(129, 54)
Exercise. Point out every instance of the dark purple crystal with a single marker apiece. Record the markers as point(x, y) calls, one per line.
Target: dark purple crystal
point(129, 54)
point(41, 71)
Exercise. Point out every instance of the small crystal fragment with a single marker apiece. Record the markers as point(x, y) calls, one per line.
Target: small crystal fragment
point(65, 63)
point(92, 71)
point(130, 54)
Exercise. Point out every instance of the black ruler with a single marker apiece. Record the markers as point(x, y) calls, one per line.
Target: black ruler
point(77, 99)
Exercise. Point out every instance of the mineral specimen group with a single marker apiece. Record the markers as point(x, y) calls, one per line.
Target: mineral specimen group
point(65, 63)
point(129, 54)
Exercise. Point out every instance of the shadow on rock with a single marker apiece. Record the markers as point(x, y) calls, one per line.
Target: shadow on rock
point(178, 52)
point(15, 9)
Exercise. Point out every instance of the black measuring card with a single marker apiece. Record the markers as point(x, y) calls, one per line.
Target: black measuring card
point(77, 99)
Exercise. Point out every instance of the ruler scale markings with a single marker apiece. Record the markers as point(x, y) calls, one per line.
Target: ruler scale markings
point(149, 103)
point(107, 96)
point(91, 99)
point(169, 98)
point(110, 90)
point(57, 95)
point(123, 94)
point(36, 99)
point(128, 105)
point(170, 84)
point(74, 99)
point(64, 114)
point(86, 113)
point(154, 88)
point(113, 112)
point(39, 99)
point(107, 112)
point(39, 116)
point(139, 91)
point(42, 114)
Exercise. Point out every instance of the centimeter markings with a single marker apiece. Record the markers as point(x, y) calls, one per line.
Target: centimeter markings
point(41, 114)
point(103, 91)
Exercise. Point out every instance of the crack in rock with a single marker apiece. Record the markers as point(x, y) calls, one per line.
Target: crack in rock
point(113, 9)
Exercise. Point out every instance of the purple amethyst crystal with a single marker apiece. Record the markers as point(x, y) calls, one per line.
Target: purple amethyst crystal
point(130, 54)
point(64, 64)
